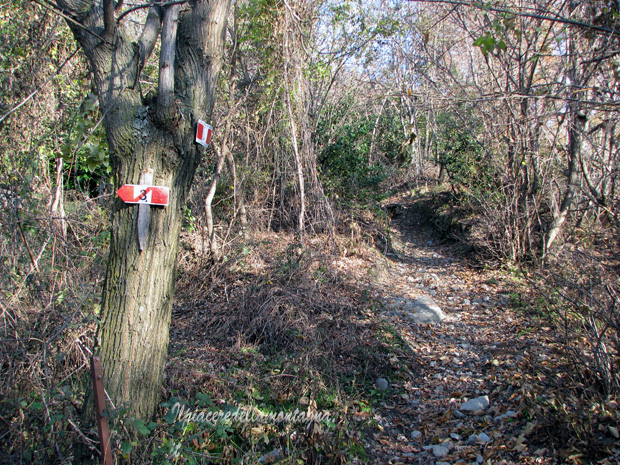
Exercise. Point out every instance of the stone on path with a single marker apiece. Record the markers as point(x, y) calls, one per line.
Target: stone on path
point(420, 310)
point(381, 384)
point(440, 451)
point(472, 405)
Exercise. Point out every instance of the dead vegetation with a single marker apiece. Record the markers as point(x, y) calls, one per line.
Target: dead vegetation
point(277, 327)
point(285, 302)
point(49, 294)
point(290, 332)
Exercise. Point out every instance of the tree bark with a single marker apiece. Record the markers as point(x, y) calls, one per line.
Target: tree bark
point(155, 134)
point(575, 129)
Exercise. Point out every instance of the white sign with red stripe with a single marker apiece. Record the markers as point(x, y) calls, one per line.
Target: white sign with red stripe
point(141, 194)
point(204, 132)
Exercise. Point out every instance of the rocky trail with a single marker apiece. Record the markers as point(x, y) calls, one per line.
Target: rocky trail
point(468, 353)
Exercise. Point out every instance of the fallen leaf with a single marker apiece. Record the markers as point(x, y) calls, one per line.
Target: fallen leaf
point(529, 428)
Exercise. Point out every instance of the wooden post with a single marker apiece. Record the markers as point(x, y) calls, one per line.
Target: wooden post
point(144, 212)
point(102, 421)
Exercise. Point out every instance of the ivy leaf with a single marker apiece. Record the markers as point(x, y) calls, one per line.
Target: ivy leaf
point(171, 416)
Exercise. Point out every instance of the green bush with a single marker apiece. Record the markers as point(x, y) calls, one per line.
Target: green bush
point(345, 165)
point(462, 156)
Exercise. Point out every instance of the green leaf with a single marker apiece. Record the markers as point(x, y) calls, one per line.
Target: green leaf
point(203, 399)
point(126, 448)
point(92, 164)
point(55, 418)
point(171, 416)
point(140, 425)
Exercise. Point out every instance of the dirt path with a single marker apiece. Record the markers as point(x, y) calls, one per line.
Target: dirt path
point(478, 351)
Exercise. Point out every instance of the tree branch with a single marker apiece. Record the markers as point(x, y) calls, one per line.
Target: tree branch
point(109, 20)
point(76, 8)
point(149, 5)
point(165, 98)
point(60, 11)
point(555, 19)
point(149, 35)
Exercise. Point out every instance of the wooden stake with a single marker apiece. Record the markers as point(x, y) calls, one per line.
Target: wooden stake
point(102, 421)
point(144, 212)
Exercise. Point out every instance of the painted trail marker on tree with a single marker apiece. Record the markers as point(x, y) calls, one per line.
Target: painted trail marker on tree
point(144, 194)
point(204, 132)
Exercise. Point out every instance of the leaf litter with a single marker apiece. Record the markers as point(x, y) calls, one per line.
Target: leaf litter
point(468, 390)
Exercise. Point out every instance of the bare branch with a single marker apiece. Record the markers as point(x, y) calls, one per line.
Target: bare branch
point(165, 99)
point(556, 18)
point(149, 5)
point(108, 19)
point(149, 35)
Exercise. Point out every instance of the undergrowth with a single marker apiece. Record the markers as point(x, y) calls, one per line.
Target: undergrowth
point(289, 336)
point(49, 303)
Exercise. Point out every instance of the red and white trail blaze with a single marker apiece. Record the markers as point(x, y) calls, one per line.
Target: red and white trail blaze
point(141, 194)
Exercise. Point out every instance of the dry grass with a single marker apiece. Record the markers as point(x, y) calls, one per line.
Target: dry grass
point(282, 304)
point(47, 322)
point(281, 329)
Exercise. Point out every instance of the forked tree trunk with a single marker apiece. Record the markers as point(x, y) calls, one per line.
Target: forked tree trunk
point(157, 134)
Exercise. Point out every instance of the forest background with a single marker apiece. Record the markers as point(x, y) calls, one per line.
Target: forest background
point(499, 120)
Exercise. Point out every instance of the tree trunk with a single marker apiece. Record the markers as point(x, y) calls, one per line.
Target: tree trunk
point(57, 209)
point(288, 88)
point(157, 134)
point(575, 129)
point(213, 246)
point(576, 124)
point(300, 173)
point(239, 201)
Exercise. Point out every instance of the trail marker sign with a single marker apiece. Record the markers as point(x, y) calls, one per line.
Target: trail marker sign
point(204, 132)
point(144, 194)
